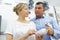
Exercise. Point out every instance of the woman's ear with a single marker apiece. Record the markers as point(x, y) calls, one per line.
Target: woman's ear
point(18, 11)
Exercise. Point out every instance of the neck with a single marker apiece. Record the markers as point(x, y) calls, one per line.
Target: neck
point(21, 19)
point(39, 16)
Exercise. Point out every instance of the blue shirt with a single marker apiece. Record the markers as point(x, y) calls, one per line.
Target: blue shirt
point(40, 23)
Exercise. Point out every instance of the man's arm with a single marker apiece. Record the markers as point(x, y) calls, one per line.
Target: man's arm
point(56, 29)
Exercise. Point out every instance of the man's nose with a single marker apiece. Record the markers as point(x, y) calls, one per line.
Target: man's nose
point(36, 9)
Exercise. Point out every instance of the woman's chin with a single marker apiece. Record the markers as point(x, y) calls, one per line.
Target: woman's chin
point(26, 15)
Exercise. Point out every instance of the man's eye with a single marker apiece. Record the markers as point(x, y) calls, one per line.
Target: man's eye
point(39, 8)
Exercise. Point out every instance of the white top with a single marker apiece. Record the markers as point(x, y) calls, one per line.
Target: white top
point(18, 29)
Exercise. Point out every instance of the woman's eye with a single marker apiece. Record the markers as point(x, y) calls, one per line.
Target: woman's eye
point(26, 9)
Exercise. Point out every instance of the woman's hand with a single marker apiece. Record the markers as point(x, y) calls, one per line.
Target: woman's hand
point(31, 32)
point(25, 36)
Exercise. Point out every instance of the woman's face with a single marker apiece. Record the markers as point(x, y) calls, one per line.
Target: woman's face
point(24, 12)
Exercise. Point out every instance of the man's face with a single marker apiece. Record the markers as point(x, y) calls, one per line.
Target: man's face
point(39, 9)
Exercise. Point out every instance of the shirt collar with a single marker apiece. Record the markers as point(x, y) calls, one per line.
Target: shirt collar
point(41, 17)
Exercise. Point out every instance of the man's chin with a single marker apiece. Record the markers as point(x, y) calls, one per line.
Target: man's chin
point(39, 16)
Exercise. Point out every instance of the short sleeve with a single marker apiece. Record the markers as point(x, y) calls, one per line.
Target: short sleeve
point(9, 29)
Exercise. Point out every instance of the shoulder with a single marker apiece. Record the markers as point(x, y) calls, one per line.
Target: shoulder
point(31, 22)
point(32, 25)
point(49, 17)
point(9, 28)
point(33, 19)
point(11, 23)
